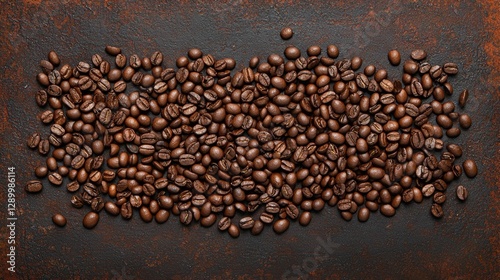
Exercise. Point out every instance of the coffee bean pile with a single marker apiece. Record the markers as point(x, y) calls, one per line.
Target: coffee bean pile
point(244, 147)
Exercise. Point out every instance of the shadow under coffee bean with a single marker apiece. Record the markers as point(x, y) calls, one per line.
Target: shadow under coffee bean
point(242, 146)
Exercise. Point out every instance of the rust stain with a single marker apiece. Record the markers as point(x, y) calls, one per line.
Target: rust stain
point(492, 49)
point(33, 2)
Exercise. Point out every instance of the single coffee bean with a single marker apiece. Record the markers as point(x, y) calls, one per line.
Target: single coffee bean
point(162, 216)
point(394, 57)
point(470, 168)
point(450, 68)
point(55, 178)
point(305, 218)
point(246, 223)
point(387, 210)
point(462, 193)
point(90, 220)
point(281, 226)
point(54, 58)
point(286, 33)
point(111, 208)
point(418, 54)
point(257, 227)
point(59, 220)
point(464, 121)
point(112, 50)
point(233, 231)
point(437, 210)
point(33, 186)
point(34, 140)
point(439, 198)
point(428, 190)
point(462, 99)
point(364, 213)
point(224, 223)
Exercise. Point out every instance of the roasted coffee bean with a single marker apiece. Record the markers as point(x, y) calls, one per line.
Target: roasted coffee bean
point(203, 140)
point(437, 210)
point(59, 220)
point(224, 223)
point(246, 223)
point(470, 168)
point(364, 212)
point(281, 226)
point(34, 140)
point(286, 33)
point(394, 57)
point(465, 121)
point(462, 193)
point(462, 99)
point(418, 54)
point(55, 178)
point(90, 220)
point(387, 210)
point(33, 186)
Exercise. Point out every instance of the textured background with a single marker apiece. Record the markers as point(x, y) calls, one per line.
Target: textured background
point(464, 244)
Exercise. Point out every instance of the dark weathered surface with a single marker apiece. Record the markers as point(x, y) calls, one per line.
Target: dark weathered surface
point(464, 244)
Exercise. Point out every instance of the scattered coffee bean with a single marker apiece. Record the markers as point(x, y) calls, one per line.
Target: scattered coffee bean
point(437, 210)
point(462, 193)
point(272, 141)
point(90, 220)
point(286, 33)
point(59, 220)
point(470, 168)
point(394, 57)
point(281, 225)
point(34, 186)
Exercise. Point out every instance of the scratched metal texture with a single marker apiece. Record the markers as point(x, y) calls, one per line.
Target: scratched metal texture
point(464, 244)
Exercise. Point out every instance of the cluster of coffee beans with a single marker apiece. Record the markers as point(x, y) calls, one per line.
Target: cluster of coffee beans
point(265, 144)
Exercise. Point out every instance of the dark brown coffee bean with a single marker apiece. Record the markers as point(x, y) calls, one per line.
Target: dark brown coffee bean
point(55, 178)
point(470, 168)
point(111, 208)
point(112, 50)
point(126, 210)
point(418, 54)
point(465, 121)
point(462, 193)
point(33, 186)
point(281, 226)
point(364, 213)
point(437, 210)
point(59, 220)
point(286, 33)
point(233, 231)
point(462, 99)
point(224, 223)
point(90, 220)
point(450, 68)
point(394, 57)
point(246, 223)
point(34, 140)
point(387, 210)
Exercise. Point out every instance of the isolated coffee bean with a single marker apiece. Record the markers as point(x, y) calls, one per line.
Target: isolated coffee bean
point(90, 220)
point(59, 220)
point(286, 33)
point(462, 193)
point(470, 168)
point(437, 210)
point(33, 186)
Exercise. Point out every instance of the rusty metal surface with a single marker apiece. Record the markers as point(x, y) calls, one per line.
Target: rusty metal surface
point(464, 244)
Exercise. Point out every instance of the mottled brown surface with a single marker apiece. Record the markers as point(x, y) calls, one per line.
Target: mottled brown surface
point(464, 244)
